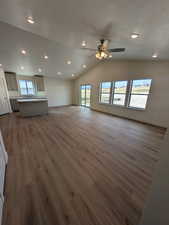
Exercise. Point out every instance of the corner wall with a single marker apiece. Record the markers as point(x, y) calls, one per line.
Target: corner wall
point(59, 92)
point(157, 111)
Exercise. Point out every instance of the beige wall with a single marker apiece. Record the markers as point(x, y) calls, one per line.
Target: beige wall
point(59, 92)
point(156, 210)
point(157, 111)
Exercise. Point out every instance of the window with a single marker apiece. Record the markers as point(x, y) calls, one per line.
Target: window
point(140, 90)
point(105, 89)
point(132, 94)
point(119, 92)
point(26, 87)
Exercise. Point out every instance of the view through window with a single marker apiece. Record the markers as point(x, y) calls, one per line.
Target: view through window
point(105, 89)
point(26, 87)
point(139, 93)
point(85, 94)
point(120, 89)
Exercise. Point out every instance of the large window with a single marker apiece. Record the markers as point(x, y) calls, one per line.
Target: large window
point(132, 94)
point(105, 90)
point(26, 87)
point(140, 90)
point(119, 92)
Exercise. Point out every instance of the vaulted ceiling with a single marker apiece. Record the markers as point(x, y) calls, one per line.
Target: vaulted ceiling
point(61, 26)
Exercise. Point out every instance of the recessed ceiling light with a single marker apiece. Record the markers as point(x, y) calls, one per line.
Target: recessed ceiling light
point(23, 52)
point(22, 67)
point(59, 73)
point(83, 43)
point(84, 66)
point(46, 57)
point(39, 70)
point(73, 75)
point(155, 55)
point(30, 20)
point(69, 62)
point(134, 35)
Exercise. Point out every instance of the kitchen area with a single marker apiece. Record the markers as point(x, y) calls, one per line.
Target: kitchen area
point(26, 94)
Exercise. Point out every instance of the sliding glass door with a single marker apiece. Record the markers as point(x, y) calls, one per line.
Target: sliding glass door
point(85, 95)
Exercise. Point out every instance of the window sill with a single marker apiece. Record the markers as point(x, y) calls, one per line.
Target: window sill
point(134, 108)
point(121, 106)
point(111, 105)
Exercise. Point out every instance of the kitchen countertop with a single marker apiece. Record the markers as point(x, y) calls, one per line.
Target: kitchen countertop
point(32, 100)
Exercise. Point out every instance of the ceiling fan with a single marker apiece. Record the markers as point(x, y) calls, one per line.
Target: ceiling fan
point(102, 51)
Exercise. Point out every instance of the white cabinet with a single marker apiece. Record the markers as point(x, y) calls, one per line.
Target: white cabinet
point(3, 162)
point(3, 152)
point(4, 97)
point(2, 176)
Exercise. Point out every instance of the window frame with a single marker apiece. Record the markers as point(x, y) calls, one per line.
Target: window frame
point(26, 87)
point(110, 94)
point(126, 93)
point(130, 94)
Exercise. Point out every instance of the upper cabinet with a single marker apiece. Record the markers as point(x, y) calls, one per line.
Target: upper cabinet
point(39, 80)
point(11, 81)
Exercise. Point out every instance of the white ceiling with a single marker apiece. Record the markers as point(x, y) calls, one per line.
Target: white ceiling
point(61, 26)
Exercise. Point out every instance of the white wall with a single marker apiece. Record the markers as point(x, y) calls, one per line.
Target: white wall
point(59, 92)
point(157, 111)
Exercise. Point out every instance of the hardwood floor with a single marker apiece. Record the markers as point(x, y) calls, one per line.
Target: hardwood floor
point(78, 167)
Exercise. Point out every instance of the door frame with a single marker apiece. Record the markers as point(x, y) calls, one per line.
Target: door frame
point(85, 95)
point(2, 75)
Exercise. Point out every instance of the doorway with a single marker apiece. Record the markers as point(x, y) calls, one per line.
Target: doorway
point(85, 95)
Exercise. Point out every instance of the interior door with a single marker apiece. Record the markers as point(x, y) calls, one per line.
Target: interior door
point(4, 100)
point(85, 95)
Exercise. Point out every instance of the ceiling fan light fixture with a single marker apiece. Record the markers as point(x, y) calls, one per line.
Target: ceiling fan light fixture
point(101, 55)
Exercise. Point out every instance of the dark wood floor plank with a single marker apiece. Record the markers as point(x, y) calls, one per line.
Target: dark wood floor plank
point(77, 166)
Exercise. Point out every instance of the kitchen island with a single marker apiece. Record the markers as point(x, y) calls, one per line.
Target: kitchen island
point(33, 107)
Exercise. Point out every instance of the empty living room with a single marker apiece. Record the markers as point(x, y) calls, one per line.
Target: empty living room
point(84, 112)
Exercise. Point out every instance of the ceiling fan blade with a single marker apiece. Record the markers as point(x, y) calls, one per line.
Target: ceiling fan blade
point(105, 44)
point(89, 49)
point(116, 50)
